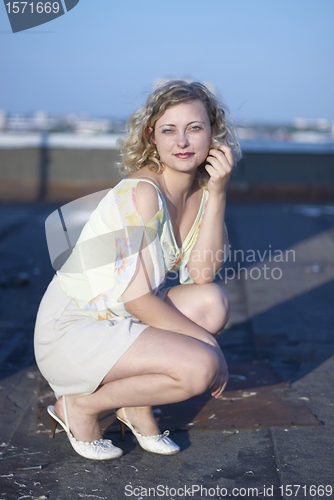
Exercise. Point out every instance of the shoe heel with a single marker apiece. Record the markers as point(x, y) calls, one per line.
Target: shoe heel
point(53, 428)
point(122, 430)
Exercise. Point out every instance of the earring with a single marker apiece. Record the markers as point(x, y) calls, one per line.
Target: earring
point(158, 167)
point(155, 154)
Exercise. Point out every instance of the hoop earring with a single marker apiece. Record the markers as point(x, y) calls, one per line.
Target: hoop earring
point(155, 154)
point(156, 165)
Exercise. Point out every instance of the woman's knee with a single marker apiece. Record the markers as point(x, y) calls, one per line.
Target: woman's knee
point(201, 372)
point(213, 307)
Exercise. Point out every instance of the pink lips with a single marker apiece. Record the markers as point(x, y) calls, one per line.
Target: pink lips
point(184, 156)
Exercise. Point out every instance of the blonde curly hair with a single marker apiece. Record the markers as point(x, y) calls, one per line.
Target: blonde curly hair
point(138, 148)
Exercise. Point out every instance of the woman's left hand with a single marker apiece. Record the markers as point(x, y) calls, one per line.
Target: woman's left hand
point(222, 376)
point(219, 167)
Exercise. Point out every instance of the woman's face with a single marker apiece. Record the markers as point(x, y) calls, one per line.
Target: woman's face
point(183, 136)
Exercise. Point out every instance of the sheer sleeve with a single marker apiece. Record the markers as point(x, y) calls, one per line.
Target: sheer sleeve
point(106, 257)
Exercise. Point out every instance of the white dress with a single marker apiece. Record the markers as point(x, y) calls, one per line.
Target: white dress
point(82, 327)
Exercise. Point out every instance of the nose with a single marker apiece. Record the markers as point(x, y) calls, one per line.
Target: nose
point(182, 140)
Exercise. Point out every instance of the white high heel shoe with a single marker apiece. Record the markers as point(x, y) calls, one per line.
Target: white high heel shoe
point(100, 449)
point(159, 443)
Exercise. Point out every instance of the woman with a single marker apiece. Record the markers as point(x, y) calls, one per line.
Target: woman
point(108, 336)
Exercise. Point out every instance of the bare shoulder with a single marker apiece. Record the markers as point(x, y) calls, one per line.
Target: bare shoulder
point(147, 200)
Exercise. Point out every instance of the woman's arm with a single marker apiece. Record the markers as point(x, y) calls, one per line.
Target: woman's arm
point(207, 255)
point(153, 311)
point(141, 302)
point(139, 299)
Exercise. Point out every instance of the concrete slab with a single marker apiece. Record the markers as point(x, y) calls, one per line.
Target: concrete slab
point(254, 398)
point(293, 332)
point(304, 456)
point(209, 462)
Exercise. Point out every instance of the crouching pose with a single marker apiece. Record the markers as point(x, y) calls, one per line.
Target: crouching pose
point(108, 334)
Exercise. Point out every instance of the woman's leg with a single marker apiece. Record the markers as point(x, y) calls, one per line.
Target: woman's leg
point(206, 305)
point(160, 367)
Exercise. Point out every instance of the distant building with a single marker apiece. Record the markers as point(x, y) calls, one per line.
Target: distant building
point(2, 120)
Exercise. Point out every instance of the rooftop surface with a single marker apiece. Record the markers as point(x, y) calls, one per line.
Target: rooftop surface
point(272, 433)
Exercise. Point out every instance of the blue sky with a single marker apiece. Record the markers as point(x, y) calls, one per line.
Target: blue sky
point(270, 60)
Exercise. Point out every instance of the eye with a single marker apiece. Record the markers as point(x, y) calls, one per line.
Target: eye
point(167, 130)
point(196, 127)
